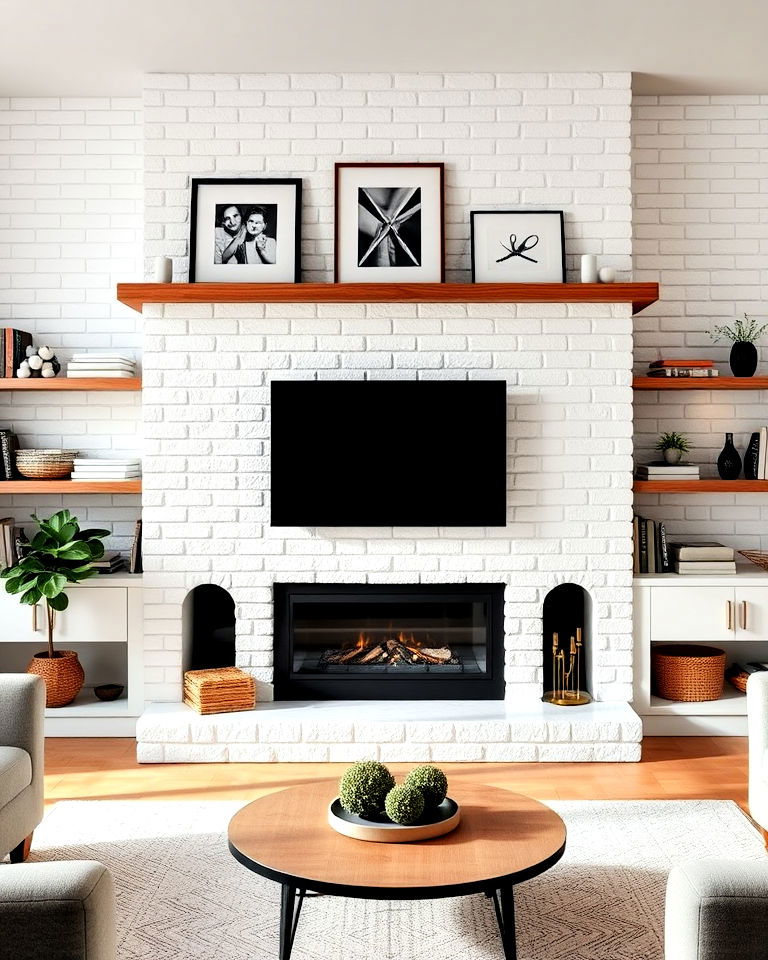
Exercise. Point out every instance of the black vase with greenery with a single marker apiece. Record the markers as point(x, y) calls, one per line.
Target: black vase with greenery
point(743, 359)
point(742, 333)
point(751, 457)
point(729, 461)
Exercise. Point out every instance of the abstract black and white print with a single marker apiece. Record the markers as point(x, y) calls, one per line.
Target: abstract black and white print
point(245, 234)
point(517, 246)
point(389, 227)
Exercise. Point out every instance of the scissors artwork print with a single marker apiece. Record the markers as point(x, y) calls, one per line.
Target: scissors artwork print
point(513, 250)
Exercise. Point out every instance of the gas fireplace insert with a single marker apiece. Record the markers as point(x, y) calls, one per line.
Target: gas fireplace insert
point(393, 642)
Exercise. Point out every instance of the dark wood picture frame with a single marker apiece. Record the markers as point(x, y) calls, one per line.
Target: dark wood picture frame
point(197, 182)
point(486, 213)
point(338, 167)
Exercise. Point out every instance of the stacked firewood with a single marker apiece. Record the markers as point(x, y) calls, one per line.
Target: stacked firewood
point(392, 650)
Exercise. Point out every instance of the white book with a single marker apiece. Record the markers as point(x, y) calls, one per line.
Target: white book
point(98, 373)
point(99, 357)
point(107, 461)
point(102, 479)
point(103, 474)
point(762, 453)
point(101, 366)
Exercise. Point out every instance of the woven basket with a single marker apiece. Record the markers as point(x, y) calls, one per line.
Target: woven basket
point(45, 464)
point(63, 676)
point(739, 680)
point(756, 556)
point(689, 672)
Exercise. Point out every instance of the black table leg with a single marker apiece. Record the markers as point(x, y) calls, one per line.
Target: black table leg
point(291, 900)
point(504, 905)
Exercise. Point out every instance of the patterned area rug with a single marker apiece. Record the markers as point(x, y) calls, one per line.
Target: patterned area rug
point(182, 896)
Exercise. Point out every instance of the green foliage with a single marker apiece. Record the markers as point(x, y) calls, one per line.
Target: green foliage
point(673, 441)
point(743, 331)
point(431, 782)
point(59, 554)
point(404, 804)
point(364, 786)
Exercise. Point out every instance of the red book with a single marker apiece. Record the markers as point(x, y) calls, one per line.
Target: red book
point(680, 363)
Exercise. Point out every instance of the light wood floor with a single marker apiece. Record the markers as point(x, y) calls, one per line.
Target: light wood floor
point(671, 768)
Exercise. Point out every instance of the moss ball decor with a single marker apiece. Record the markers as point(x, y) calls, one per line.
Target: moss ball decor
point(364, 787)
point(404, 805)
point(432, 783)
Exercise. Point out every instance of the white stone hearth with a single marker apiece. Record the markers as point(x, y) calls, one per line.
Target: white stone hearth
point(405, 730)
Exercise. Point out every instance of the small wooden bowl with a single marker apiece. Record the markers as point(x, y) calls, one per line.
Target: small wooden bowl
point(109, 691)
point(435, 823)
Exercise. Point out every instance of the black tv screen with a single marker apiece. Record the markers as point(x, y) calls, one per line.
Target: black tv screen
point(378, 453)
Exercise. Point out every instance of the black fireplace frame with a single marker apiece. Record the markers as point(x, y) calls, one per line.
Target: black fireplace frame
point(420, 686)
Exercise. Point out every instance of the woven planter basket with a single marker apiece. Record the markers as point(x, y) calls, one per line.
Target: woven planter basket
point(45, 464)
point(689, 672)
point(63, 676)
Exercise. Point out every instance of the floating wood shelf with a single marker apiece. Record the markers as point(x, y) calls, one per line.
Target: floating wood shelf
point(70, 486)
point(700, 383)
point(640, 295)
point(70, 383)
point(701, 486)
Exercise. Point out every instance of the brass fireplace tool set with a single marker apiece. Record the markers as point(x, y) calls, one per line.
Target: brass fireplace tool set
point(566, 690)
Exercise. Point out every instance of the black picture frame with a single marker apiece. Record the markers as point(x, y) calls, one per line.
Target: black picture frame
point(515, 249)
point(430, 177)
point(284, 190)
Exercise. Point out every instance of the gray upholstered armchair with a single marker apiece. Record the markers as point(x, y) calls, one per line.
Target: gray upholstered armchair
point(22, 707)
point(757, 715)
point(716, 910)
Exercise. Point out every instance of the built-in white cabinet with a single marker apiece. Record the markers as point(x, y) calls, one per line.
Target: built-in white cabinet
point(103, 624)
point(729, 612)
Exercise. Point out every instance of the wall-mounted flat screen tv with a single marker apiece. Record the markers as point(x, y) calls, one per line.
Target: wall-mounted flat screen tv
point(381, 453)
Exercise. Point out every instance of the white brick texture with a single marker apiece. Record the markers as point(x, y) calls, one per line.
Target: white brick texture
point(700, 186)
point(70, 229)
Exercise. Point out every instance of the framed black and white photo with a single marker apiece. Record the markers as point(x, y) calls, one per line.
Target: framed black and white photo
point(245, 231)
point(389, 223)
point(517, 246)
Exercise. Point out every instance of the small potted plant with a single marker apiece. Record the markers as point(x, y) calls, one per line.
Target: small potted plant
point(59, 554)
point(743, 333)
point(673, 446)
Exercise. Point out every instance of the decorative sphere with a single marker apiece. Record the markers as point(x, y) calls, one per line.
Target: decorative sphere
point(364, 786)
point(606, 274)
point(45, 352)
point(404, 804)
point(23, 372)
point(47, 370)
point(35, 362)
point(432, 783)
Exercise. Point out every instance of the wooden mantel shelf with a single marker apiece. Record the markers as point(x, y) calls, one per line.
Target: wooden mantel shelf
point(700, 383)
point(640, 295)
point(70, 383)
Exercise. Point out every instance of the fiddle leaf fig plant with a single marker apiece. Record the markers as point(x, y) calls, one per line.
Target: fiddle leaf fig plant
point(59, 554)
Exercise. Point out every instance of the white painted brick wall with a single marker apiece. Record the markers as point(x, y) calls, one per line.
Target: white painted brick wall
point(556, 141)
point(70, 229)
point(700, 185)
point(547, 140)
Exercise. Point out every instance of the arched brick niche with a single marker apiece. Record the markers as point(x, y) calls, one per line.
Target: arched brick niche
point(568, 607)
point(208, 628)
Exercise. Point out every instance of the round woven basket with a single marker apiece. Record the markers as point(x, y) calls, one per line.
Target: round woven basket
point(45, 464)
point(739, 680)
point(63, 676)
point(687, 671)
point(756, 556)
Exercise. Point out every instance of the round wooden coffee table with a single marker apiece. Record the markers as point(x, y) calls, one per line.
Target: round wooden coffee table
point(503, 839)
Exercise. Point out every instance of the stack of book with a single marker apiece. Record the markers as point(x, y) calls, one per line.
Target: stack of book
point(660, 470)
point(650, 548)
point(109, 563)
point(694, 559)
point(101, 365)
point(101, 468)
point(9, 444)
point(13, 349)
point(682, 368)
point(8, 535)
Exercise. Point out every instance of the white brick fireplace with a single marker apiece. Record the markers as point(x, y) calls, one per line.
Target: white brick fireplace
point(547, 141)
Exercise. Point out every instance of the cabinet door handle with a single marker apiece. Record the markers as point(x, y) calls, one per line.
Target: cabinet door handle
point(34, 617)
point(743, 614)
point(729, 614)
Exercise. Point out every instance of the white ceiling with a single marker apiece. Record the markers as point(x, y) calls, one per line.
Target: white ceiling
point(99, 47)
